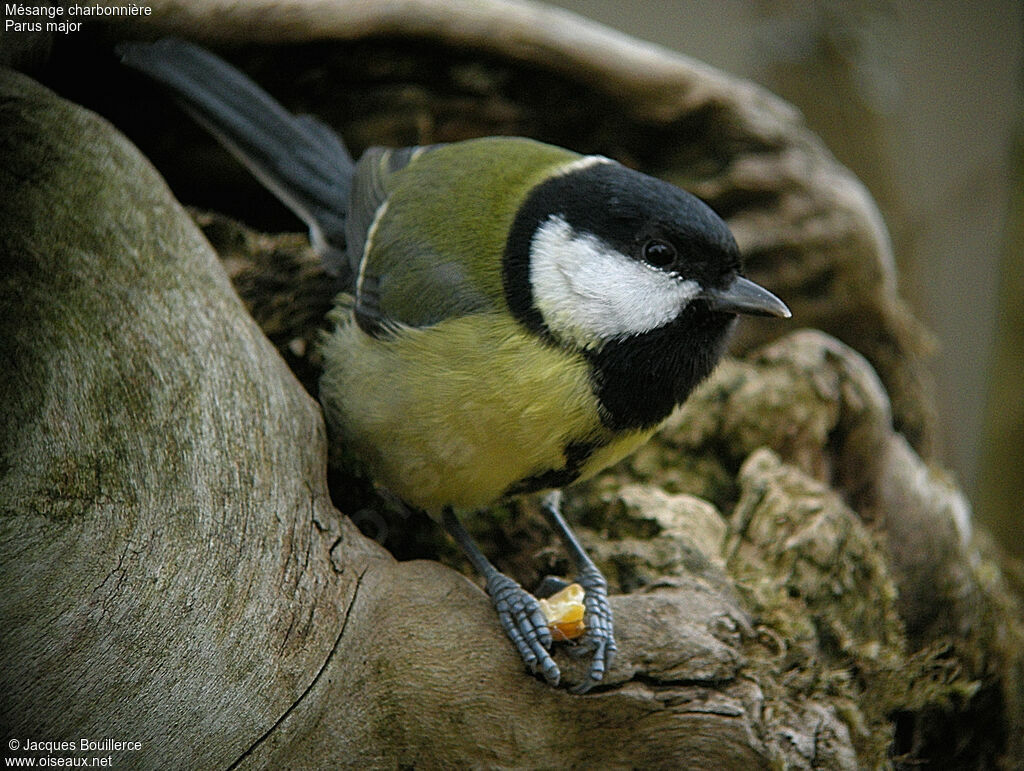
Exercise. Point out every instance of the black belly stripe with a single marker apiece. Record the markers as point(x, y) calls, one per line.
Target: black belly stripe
point(576, 456)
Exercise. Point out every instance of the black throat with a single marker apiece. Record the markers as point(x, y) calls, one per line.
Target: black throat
point(639, 380)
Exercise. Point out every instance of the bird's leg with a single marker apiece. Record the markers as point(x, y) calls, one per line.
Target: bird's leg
point(600, 635)
point(518, 610)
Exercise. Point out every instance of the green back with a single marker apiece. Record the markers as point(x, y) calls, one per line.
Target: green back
point(436, 251)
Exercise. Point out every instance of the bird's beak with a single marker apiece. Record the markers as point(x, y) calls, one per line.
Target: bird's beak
point(744, 296)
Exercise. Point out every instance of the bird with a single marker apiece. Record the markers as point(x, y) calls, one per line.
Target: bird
point(514, 316)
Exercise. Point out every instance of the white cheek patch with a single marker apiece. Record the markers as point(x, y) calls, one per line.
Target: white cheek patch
point(590, 293)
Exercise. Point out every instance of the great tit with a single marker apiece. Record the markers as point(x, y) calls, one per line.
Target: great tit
point(515, 316)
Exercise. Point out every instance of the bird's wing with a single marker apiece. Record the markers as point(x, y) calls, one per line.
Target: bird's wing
point(428, 226)
point(370, 189)
point(375, 269)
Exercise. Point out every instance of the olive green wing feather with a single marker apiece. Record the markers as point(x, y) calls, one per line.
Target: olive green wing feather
point(427, 227)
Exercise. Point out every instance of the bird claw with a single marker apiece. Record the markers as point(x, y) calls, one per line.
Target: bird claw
point(524, 623)
point(599, 639)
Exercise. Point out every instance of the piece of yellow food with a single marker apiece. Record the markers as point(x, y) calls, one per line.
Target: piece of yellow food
point(564, 613)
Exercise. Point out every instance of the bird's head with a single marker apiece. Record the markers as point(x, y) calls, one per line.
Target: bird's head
point(640, 276)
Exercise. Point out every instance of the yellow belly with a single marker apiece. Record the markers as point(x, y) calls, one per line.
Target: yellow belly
point(444, 429)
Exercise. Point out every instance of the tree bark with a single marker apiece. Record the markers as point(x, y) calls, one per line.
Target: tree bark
point(797, 587)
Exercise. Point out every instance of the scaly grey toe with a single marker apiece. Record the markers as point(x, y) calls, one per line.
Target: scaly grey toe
point(600, 637)
point(524, 623)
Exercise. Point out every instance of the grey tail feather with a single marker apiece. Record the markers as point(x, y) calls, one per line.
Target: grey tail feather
point(299, 159)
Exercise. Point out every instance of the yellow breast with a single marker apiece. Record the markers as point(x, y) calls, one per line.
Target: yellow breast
point(457, 413)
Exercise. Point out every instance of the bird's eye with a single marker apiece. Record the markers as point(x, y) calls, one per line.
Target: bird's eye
point(658, 253)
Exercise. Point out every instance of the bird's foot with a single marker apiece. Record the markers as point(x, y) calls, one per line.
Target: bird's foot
point(524, 623)
point(599, 638)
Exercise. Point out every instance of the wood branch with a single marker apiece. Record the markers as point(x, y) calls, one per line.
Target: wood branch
point(797, 586)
